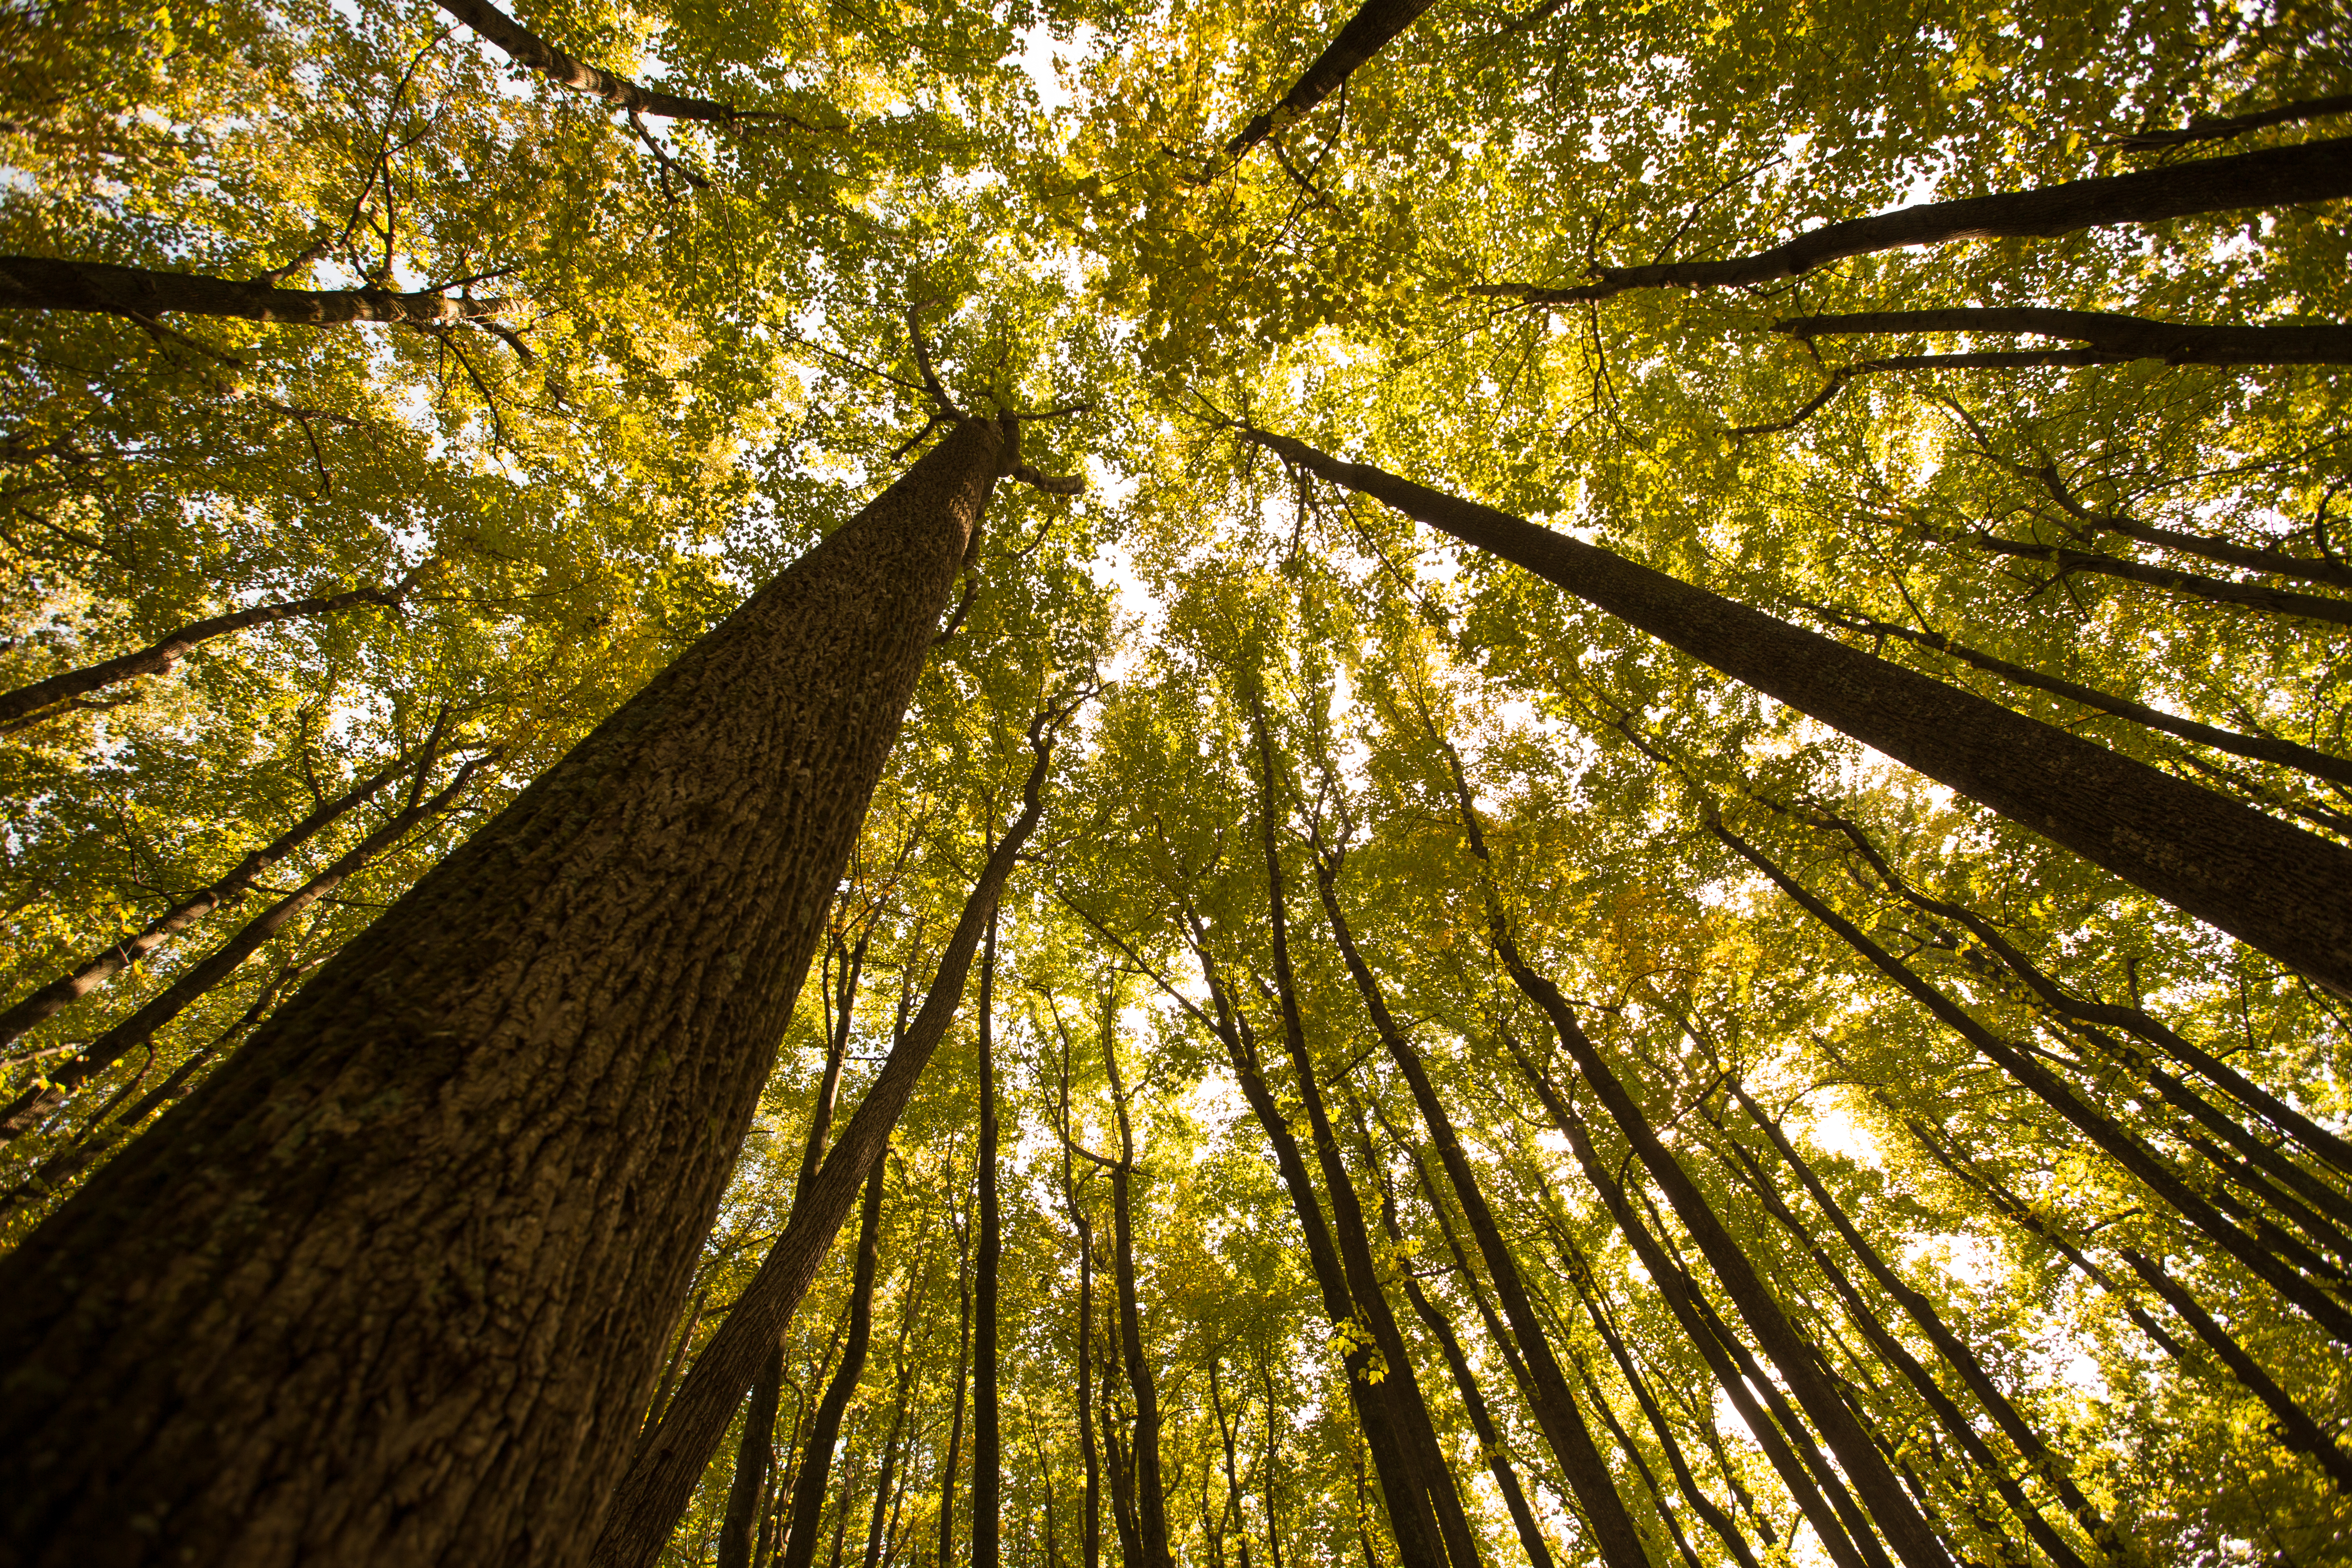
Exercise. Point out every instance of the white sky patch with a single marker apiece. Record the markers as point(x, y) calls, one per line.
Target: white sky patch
point(1046, 62)
point(1966, 1259)
point(1834, 1131)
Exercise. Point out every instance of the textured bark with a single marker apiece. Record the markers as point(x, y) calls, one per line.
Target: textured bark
point(98, 968)
point(25, 704)
point(2274, 887)
point(815, 1473)
point(2123, 338)
point(2273, 177)
point(463, 1174)
point(660, 1481)
point(987, 1442)
point(2212, 128)
point(59, 1082)
point(1149, 1497)
point(526, 48)
point(1620, 1543)
point(2118, 1144)
point(101, 288)
point(1401, 1386)
point(2260, 748)
point(1366, 33)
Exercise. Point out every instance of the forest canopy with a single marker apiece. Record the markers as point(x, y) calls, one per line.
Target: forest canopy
point(1047, 784)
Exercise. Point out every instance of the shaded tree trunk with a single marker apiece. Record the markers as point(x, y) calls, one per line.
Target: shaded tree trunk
point(528, 50)
point(473, 1158)
point(1149, 1498)
point(26, 705)
point(98, 968)
point(2115, 1142)
point(815, 1472)
point(987, 1451)
point(2274, 887)
point(949, 1461)
point(1401, 1387)
point(752, 1457)
point(2121, 338)
point(1482, 1421)
point(1563, 1426)
point(2275, 177)
point(141, 293)
point(2188, 584)
point(660, 1483)
point(2260, 748)
point(1365, 34)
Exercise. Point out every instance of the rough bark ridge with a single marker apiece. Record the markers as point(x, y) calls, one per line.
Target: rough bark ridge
point(42, 283)
point(1366, 34)
point(390, 1287)
point(816, 1470)
point(661, 1477)
point(2273, 177)
point(987, 1451)
point(1150, 1499)
point(2272, 886)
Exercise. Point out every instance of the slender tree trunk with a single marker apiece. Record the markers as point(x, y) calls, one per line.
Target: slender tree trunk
point(884, 1521)
point(949, 1461)
point(98, 968)
point(528, 50)
point(815, 1472)
point(1409, 1521)
point(2274, 887)
point(2115, 1142)
point(1690, 1311)
point(987, 1454)
point(841, 1009)
point(2275, 177)
point(660, 1481)
point(2260, 748)
point(1232, 1518)
point(1482, 1421)
point(1891, 1351)
point(474, 1156)
point(26, 1111)
point(1949, 1344)
point(1402, 1388)
point(2124, 337)
point(1619, 1542)
point(752, 1457)
point(24, 705)
point(1116, 1455)
point(2188, 584)
point(1151, 1499)
point(141, 293)
point(1366, 33)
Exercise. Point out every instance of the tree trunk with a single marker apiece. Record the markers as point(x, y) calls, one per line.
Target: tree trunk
point(98, 968)
point(1401, 1387)
point(2188, 584)
point(1949, 1344)
point(2115, 1142)
point(660, 1483)
point(1482, 1421)
point(949, 1461)
point(25, 705)
point(2273, 177)
point(2124, 337)
point(815, 1472)
point(141, 293)
point(1409, 1521)
point(1150, 1498)
point(1564, 1428)
point(2276, 887)
point(528, 50)
point(27, 1109)
point(752, 1457)
point(1366, 33)
point(987, 1452)
point(2260, 748)
point(473, 1158)
point(1689, 1310)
